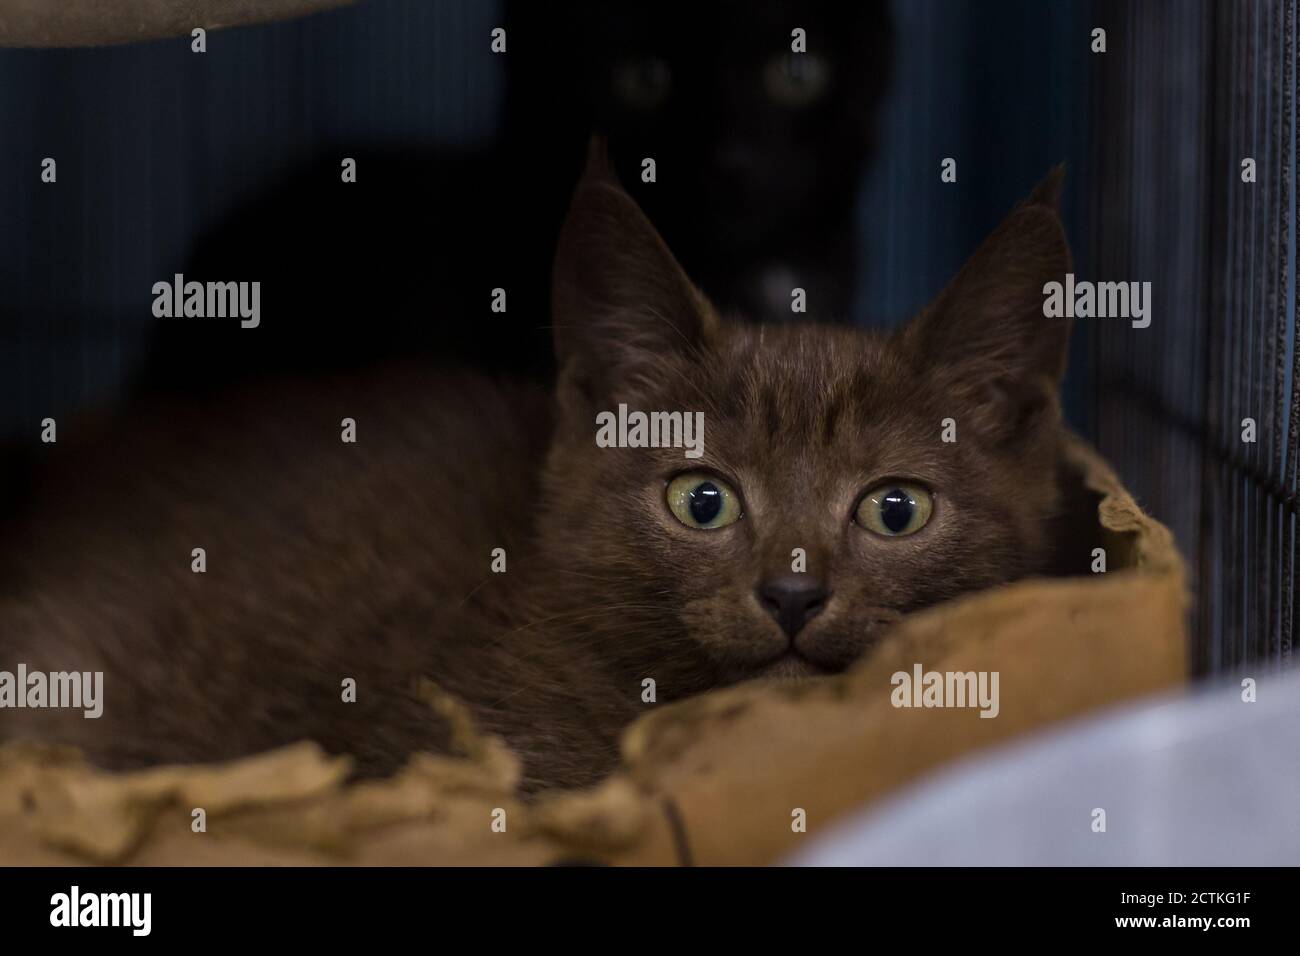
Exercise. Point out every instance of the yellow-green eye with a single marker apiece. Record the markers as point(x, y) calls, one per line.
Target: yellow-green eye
point(644, 82)
point(796, 80)
point(704, 501)
point(895, 509)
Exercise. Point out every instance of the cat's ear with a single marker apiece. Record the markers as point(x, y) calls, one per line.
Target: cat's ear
point(620, 302)
point(985, 338)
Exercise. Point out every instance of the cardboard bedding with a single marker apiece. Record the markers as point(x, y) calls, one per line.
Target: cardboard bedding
point(68, 23)
point(745, 775)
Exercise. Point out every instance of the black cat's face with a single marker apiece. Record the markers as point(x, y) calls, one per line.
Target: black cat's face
point(741, 126)
point(843, 478)
point(757, 148)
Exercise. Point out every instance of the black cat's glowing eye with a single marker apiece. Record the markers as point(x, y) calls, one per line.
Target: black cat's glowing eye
point(703, 501)
point(796, 80)
point(895, 509)
point(643, 83)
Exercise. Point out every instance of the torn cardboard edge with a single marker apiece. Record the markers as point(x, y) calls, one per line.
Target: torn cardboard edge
point(723, 778)
point(80, 23)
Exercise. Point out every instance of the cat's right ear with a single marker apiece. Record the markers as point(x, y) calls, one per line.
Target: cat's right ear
point(985, 341)
point(620, 302)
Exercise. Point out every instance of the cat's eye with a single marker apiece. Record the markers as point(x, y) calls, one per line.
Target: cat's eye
point(700, 500)
point(643, 83)
point(796, 80)
point(895, 509)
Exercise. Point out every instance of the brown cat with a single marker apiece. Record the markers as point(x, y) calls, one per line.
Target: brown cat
point(328, 560)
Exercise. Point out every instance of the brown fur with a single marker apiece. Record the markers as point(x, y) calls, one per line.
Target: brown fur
point(370, 560)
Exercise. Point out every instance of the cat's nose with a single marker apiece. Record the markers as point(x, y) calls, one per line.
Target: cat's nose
point(793, 600)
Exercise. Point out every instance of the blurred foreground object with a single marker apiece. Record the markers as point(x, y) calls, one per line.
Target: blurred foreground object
point(1207, 780)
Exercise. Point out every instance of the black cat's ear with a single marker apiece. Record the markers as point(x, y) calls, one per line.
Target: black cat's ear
point(986, 336)
point(620, 302)
point(1048, 192)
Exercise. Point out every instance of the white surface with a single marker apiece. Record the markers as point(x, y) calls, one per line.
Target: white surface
point(1200, 780)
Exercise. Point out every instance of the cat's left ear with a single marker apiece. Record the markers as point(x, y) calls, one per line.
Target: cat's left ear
point(620, 303)
point(985, 337)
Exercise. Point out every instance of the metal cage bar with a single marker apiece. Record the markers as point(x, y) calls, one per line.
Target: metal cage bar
point(1201, 88)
